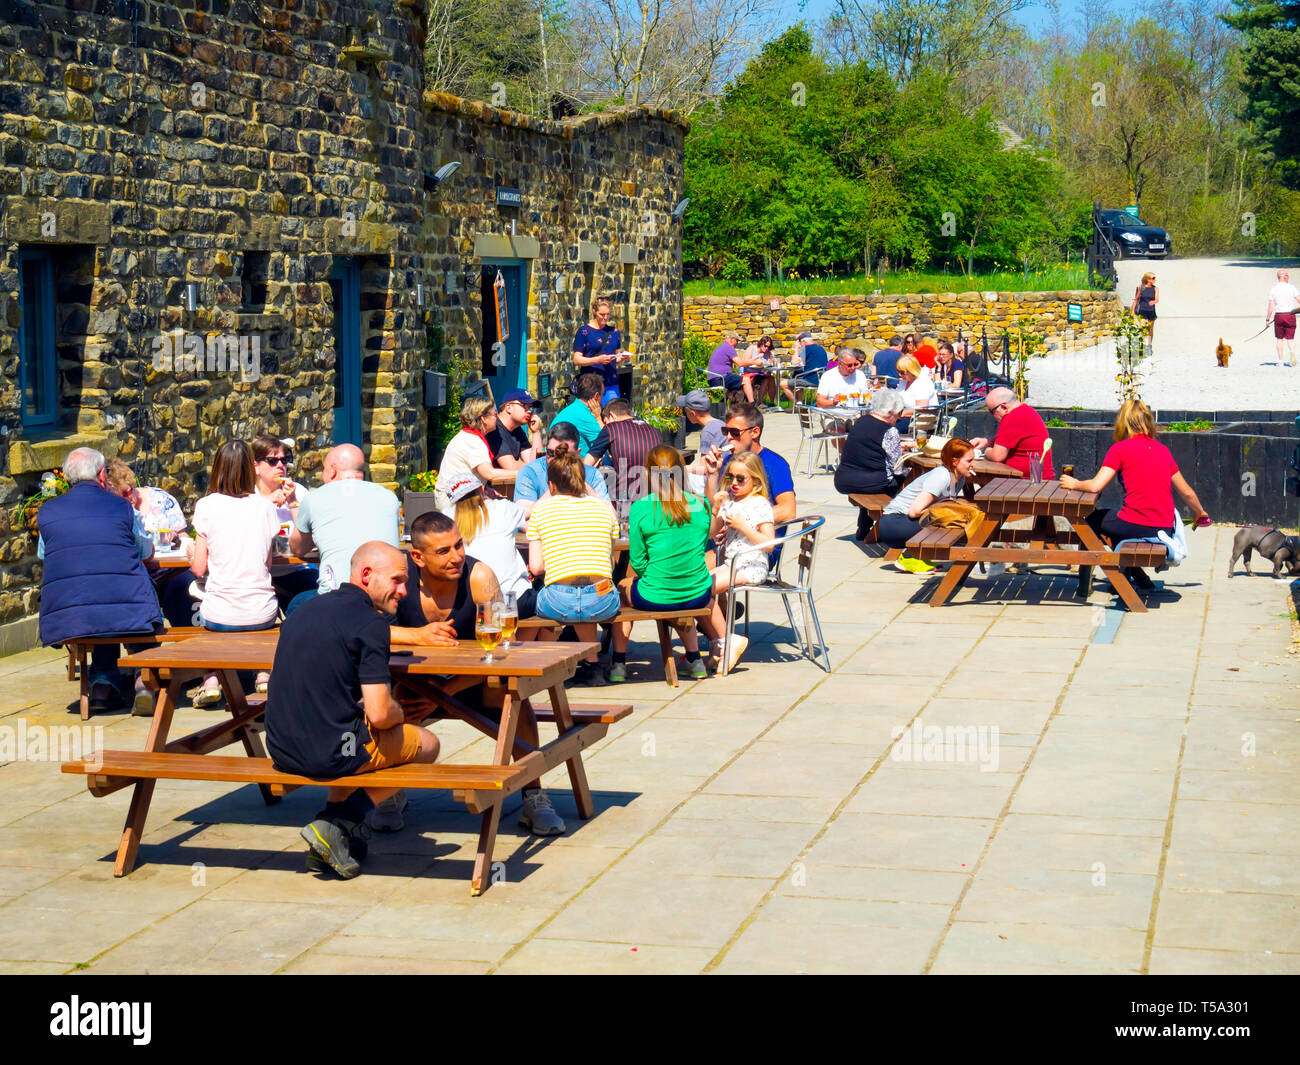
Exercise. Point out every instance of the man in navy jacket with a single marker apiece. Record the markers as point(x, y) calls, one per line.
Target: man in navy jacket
point(94, 581)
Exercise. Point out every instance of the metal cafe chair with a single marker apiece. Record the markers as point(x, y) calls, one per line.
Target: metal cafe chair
point(804, 530)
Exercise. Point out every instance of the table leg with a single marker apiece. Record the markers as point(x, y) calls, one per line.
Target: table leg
point(959, 571)
point(142, 792)
point(237, 704)
point(487, 834)
point(577, 773)
point(1092, 542)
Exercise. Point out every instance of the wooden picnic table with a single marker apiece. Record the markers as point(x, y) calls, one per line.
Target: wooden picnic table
point(1006, 499)
point(504, 482)
point(439, 674)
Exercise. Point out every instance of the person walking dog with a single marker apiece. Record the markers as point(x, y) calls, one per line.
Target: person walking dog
point(1283, 299)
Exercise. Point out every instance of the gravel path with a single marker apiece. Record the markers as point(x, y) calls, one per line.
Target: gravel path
point(1200, 301)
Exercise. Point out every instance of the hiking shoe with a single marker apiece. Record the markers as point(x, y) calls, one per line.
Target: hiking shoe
point(330, 843)
point(617, 673)
point(358, 834)
point(103, 697)
point(538, 815)
point(696, 670)
point(738, 645)
point(143, 705)
point(208, 695)
point(387, 815)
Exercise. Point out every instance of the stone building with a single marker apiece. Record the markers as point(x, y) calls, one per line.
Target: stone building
point(219, 219)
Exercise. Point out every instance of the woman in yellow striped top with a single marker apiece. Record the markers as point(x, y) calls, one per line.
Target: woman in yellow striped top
point(571, 539)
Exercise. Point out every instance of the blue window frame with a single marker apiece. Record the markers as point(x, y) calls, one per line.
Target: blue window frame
point(345, 285)
point(37, 358)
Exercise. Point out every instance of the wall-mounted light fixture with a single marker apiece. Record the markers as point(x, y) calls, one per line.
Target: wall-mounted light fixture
point(680, 209)
point(190, 296)
point(432, 181)
point(419, 294)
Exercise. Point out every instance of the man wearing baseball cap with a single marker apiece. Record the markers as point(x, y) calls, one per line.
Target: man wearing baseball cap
point(698, 409)
point(517, 439)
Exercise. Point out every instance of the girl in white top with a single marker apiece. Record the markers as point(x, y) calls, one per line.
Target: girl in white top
point(488, 527)
point(742, 517)
point(467, 453)
point(235, 528)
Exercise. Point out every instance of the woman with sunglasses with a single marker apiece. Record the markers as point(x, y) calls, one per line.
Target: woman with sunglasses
point(742, 518)
point(271, 465)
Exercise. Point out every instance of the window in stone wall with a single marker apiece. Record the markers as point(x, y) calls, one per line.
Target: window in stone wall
point(36, 349)
point(253, 283)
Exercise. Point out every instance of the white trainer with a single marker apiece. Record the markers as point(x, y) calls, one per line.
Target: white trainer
point(539, 816)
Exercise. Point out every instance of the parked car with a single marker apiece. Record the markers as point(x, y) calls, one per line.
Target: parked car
point(1133, 237)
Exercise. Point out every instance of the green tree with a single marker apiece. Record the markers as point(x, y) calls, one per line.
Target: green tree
point(1270, 77)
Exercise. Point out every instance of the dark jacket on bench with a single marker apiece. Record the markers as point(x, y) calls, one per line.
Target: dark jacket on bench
point(94, 583)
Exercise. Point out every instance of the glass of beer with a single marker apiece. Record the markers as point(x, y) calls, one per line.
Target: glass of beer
point(487, 627)
point(509, 618)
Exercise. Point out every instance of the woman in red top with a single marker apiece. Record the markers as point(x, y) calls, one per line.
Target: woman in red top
point(1149, 475)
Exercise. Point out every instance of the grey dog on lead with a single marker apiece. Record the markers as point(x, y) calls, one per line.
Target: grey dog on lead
point(1273, 545)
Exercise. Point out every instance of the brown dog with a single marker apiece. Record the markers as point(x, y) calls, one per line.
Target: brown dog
point(1222, 352)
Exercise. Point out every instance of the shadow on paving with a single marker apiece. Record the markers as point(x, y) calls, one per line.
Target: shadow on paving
point(391, 854)
point(1036, 588)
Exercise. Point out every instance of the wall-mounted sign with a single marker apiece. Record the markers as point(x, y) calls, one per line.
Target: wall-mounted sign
point(1132, 210)
point(508, 197)
point(1074, 312)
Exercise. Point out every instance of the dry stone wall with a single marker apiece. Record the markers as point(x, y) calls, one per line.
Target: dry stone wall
point(873, 319)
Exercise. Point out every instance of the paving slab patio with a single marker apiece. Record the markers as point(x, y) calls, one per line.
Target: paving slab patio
point(1142, 814)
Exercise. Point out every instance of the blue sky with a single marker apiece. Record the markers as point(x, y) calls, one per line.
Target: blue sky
point(1035, 18)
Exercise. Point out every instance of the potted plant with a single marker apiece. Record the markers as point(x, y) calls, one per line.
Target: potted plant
point(418, 498)
point(668, 421)
point(52, 484)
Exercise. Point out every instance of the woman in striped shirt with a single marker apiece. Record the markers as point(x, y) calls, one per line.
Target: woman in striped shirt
point(571, 539)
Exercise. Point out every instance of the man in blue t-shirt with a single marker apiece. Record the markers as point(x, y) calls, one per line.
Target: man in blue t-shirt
point(885, 361)
point(813, 358)
point(531, 482)
point(744, 427)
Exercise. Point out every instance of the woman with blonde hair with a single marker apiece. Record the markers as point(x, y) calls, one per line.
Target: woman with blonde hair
point(598, 347)
point(1149, 474)
point(918, 389)
point(668, 530)
point(488, 527)
point(468, 454)
point(1145, 298)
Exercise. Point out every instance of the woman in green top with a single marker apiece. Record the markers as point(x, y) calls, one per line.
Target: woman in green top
point(668, 530)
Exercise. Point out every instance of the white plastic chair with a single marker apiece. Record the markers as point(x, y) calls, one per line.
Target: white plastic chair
point(803, 529)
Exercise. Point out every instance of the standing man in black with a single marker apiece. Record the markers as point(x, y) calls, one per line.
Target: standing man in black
point(331, 711)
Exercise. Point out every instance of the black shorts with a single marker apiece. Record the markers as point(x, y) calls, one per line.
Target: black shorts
point(1149, 313)
point(1284, 325)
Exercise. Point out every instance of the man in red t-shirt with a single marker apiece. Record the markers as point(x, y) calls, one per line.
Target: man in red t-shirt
point(1020, 431)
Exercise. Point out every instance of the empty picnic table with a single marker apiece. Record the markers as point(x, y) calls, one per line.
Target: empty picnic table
point(1006, 499)
point(438, 674)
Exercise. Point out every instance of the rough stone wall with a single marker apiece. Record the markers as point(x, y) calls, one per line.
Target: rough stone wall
point(245, 150)
point(601, 186)
point(871, 318)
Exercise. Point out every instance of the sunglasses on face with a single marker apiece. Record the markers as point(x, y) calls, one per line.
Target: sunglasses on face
point(733, 432)
point(736, 478)
point(280, 461)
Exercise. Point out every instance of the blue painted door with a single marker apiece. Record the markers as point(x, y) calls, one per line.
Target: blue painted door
point(345, 284)
point(505, 353)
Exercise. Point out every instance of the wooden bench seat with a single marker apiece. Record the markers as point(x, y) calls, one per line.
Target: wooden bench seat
point(933, 544)
point(874, 503)
point(585, 713)
point(666, 620)
point(77, 650)
point(478, 786)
